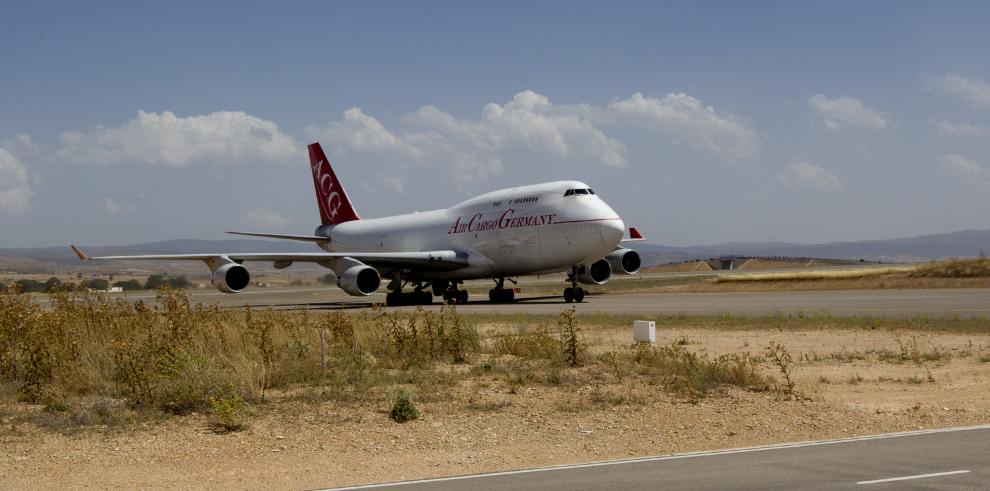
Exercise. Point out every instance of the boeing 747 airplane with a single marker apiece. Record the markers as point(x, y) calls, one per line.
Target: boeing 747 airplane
point(553, 227)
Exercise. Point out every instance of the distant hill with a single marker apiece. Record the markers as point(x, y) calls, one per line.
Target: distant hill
point(967, 243)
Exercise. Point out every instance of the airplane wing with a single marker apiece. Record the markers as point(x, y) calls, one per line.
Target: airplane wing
point(304, 238)
point(434, 259)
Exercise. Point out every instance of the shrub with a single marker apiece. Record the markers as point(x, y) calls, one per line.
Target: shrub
point(683, 372)
point(403, 408)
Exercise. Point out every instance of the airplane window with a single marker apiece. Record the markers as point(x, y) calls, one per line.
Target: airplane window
point(590, 191)
point(580, 191)
point(569, 192)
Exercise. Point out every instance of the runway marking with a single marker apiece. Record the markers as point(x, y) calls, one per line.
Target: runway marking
point(686, 455)
point(919, 476)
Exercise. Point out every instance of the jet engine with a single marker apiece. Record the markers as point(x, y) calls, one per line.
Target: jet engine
point(597, 274)
point(359, 280)
point(624, 261)
point(231, 278)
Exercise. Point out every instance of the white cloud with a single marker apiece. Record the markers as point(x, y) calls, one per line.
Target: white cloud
point(114, 208)
point(684, 118)
point(975, 91)
point(15, 188)
point(808, 176)
point(263, 218)
point(20, 145)
point(949, 128)
point(846, 112)
point(473, 147)
point(395, 183)
point(961, 167)
point(530, 122)
point(225, 137)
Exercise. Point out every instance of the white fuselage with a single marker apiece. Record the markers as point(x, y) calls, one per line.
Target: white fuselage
point(524, 230)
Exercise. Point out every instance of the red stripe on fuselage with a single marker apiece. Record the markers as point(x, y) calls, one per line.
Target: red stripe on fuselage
point(588, 220)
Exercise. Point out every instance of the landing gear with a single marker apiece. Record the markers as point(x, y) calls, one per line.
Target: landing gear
point(398, 298)
point(500, 294)
point(454, 296)
point(574, 293)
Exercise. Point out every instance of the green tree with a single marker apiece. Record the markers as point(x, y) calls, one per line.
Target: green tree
point(53, 283)
point(129, 285)
point(30, 286)
point(178, 282)
point(154, 282)
point(97, 284)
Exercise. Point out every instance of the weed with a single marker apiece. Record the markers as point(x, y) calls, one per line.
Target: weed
point(570, 334)
point(228, 409)
point(782, 359)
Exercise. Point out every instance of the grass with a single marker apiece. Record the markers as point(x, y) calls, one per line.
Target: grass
point(87, 359)
point(843, 274)
point(954, 268)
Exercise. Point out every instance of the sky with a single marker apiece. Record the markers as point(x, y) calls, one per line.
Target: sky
point(698, 122)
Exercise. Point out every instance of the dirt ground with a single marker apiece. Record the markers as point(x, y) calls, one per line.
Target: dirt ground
point(852, 382)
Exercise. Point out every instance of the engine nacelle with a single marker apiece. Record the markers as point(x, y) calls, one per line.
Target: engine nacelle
point(359, 280)
point(231, 278)
point(624, 261)
point(597, 274)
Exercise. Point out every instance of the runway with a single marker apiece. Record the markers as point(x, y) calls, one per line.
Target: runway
point(955, 458)
point(970, 302)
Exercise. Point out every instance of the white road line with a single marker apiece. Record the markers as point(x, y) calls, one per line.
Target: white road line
point(919, 476)
point(688, 455)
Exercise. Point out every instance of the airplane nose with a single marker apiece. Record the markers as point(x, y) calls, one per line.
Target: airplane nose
point(612, 231)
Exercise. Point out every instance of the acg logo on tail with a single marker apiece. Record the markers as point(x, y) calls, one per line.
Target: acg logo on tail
point(330, 202)
point(330, 195)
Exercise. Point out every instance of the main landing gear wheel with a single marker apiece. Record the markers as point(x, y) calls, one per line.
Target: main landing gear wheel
point(415, 297)
point(455, 296)
point(459, 297)
point(574, 294)
point(501, 295)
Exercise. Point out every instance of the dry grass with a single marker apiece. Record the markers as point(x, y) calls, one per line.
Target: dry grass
point(845, 274)
point(954, 268)
point(175, 358)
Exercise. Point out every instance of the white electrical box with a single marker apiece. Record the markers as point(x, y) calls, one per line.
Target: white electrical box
point(644, 331)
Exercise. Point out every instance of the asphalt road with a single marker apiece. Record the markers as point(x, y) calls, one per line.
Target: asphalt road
point(939, 459)
point(964, 302)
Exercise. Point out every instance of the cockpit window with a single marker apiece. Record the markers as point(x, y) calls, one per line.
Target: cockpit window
point(572, 192)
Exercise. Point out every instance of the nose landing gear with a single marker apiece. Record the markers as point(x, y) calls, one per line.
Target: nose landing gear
point(574, 293)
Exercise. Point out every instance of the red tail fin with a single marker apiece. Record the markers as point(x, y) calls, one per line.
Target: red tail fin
point(330, 196)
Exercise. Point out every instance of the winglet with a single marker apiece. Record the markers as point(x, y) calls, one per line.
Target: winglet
point(634, 234)
point(81, 254)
